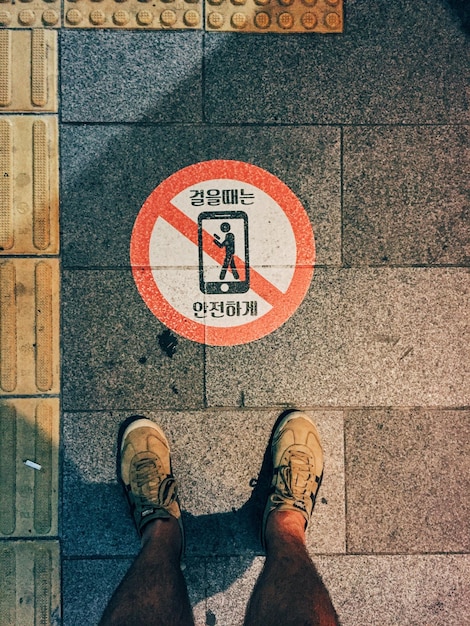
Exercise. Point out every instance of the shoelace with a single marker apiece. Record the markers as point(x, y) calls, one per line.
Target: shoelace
point(296, 477)
point(151, 487)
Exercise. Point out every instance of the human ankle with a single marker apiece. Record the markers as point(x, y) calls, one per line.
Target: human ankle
point(164, 531)
point(285, 527)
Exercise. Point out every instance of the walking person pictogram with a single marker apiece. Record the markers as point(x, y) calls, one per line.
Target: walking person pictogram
point(229, 244)
point(226, 231)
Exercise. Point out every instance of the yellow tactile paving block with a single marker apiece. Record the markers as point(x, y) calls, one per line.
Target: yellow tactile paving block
point(30, 589)
point(30, 13)
point(28, 70)
point(29, 185)
point(29, 457)
point(275, 16)
point(29, 326)
point(140, 14)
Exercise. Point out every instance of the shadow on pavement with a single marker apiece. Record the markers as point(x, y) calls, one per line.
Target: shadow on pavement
point(461, 9)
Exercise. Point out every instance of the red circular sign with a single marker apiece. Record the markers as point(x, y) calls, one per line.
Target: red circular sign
point(222, 252)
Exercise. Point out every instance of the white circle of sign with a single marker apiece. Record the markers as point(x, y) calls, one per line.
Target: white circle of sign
point(222, 252)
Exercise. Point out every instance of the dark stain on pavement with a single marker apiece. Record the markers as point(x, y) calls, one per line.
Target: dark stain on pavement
point(168, 343)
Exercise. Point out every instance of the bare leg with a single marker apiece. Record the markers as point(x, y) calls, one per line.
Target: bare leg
point(233, 267)
point(289, 590)
point(223, 271)
point(153, 592)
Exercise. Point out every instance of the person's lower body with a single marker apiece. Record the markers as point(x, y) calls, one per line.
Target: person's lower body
point(229, 262)
point(289, 589)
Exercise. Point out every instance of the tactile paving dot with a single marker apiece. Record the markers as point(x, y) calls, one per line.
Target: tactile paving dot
point(29, 481)
point(28, 70)
point(215, 20)
point(126, 14)
point(30, 574)
point(192, 18)
point(29, 326)
point(286, 20)
point(262, 20)
point(168, 17)
point(280, 16)
point(29, 185)
point(309, 20)
point(30, 13)
point(239, 20)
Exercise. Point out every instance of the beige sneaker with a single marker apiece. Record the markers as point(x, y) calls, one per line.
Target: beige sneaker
point(145, 467)
point(298, 467)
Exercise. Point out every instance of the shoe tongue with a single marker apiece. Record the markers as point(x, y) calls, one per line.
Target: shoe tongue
point(146, 475)
point(299, 474)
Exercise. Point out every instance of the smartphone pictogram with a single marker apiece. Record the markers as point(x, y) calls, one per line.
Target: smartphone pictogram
point(229, 232)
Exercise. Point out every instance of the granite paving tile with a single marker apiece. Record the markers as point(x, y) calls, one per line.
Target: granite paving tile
point(88, 584)
point(406, 196)
point(109, 171)
point(362, 337)
point(395, 63)
point(218, 456)
point(406, 589)
point(131, 76)
point(408, 481)
point(115, 353)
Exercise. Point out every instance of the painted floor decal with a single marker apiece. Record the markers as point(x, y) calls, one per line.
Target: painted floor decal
point(222, 252)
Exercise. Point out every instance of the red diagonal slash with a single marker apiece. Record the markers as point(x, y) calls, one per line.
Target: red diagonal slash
point(187, 227)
